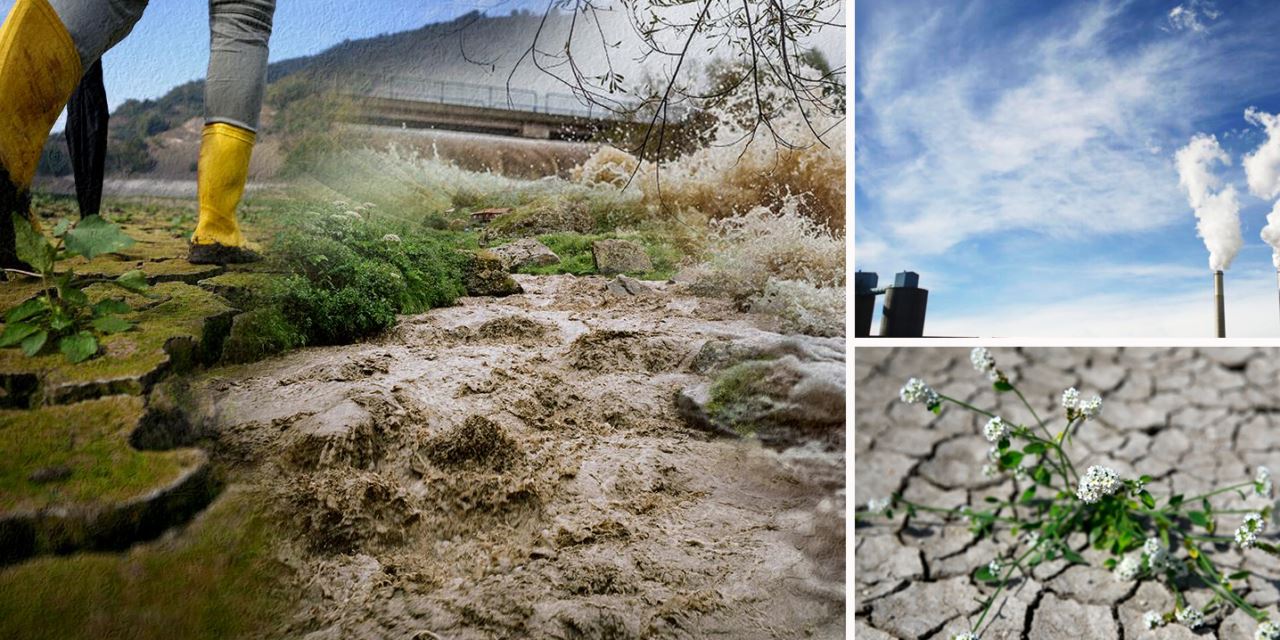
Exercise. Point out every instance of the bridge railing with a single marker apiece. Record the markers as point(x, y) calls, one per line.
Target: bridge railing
point(418, 89)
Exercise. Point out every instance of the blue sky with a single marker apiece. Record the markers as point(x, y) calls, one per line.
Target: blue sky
point(170, 44)
point(1020, 156)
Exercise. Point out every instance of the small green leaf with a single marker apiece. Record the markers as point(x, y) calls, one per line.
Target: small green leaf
point(31, 247)
point(111, 306)
point(73, 295)
point(1239, 575)
point(1002, 386)
point(94, 236)
point(1145, 480)
point(936, 408)
point(1010, 459)
point(61, 227)
point(1071, 556)
point(16, 332)
point(984, 574)
point(1175, 501)
point(1035, 448)
point(111, 324)
point(992, 499)
point(25, 310)
point(1147, 499)
point(134, 281)
point(78, 347)
point(1198, 517)
point(1041, 476)
point(34, 343)
point(1028, 495)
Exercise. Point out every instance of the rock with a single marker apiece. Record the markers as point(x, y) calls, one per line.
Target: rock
point(50, 474)
point(619, 256)
point(527, 252)
point(485, 275)
point(925, 607)
point(624, 286)
point(1060, 618)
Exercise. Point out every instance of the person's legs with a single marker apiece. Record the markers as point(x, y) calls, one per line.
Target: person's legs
point(239, 33)
point(45, 46)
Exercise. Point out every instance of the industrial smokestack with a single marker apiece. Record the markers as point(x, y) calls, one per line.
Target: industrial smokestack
point(1221, 304)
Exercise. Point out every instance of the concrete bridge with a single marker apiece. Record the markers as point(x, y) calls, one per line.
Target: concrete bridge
point(406, 101)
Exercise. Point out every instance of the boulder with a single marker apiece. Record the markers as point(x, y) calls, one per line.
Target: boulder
point(783, 390)
point(527, 252)
point(624, 286)
point(619, 256)
point(485, 275)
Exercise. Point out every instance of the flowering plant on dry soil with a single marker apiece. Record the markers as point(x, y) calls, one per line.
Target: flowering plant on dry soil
point(1168, 539)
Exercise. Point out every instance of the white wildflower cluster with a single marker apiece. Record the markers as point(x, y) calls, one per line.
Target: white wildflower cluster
point(1032, 538)
point(1247, 533)
point(984, 362)
point(1152, 620)
point(879, 506)
point(965, 636)
point(990, 470)
point(1262, 482)
point(1128, 568)
point(1268, 630)
point(391, 238)
point(1087, 409)
point(996, 430)
point(916, 391)
point(994, 567)
point(1190, 617)
point(1159, 560)
point(1097, 483)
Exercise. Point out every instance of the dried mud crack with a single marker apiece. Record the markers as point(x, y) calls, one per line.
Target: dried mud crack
point(1191, 418)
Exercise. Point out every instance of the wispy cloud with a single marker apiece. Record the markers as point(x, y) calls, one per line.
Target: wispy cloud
point(1193, 16)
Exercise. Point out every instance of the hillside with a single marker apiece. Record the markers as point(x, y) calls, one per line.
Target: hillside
point(160, 137)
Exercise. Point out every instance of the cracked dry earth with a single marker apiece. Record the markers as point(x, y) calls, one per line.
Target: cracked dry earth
point(516, 468)
point(1192, 418)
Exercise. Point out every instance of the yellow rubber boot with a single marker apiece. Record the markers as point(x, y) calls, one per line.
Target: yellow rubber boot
point(39, 68)
point(221, 174)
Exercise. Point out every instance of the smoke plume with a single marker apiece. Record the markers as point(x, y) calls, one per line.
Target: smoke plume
point(1217, 210)
point(1262, 167)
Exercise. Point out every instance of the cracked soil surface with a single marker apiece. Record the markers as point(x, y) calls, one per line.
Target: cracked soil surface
point(1194, 419)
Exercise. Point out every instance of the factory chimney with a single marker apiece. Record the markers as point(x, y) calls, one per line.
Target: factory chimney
point(1221, 316)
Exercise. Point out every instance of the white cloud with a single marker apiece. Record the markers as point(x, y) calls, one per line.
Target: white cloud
point(1217, 210)
point(1192, 16)
point(1262, 166)
point(1058, 141)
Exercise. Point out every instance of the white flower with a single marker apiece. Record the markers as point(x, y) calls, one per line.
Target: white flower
point(994, 567)
point(996, 430)
point(1032, 538)
point(340, 203)
point(879, 506)
point(391, 238)
point(1262, 482)
point(1071, 399)
point(1128, 568)
point(1159, 560)
point(354, 215)
point(1152, 620)
point(1092, 408)
point(1190, 618)
point(1097, 483)
point(916, 391)
point(1247, 533)
point(1268, 630)
point(990, 470)
point(965, 636)
point(982, 360)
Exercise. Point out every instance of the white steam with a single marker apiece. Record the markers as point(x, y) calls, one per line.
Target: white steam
point(1262, 167)
point(1271, 234)
point(1217, 211)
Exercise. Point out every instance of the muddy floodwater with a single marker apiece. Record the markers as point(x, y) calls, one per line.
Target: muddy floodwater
point(516, 467)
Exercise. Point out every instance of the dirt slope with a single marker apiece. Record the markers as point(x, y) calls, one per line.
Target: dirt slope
point(515, 467)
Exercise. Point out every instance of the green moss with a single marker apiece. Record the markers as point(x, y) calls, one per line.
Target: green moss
point(735, 397)
point(91, 440)
point(183, 326)
point(218, 580)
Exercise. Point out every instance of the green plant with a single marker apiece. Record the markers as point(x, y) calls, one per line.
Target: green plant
point(63, 313)
point(1119, 517)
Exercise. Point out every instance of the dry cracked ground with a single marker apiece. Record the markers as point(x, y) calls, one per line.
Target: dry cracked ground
point(1192, 418)
point(517, 467)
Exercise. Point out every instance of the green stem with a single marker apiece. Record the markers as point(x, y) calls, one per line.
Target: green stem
point(1218, 491)
point(1017, 564)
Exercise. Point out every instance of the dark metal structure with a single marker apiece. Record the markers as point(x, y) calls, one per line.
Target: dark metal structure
point(905, 304)
point(1219, 300)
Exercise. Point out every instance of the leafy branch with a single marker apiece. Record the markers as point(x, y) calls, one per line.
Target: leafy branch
point(62, 314)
